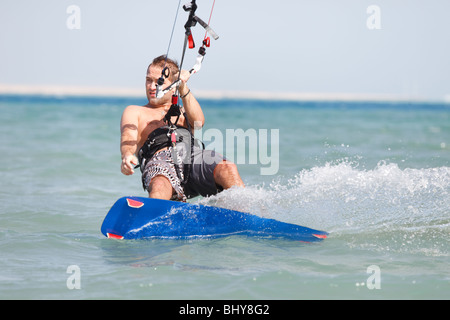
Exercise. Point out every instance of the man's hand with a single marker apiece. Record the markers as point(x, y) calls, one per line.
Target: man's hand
point(128, 163)
point(184, 77)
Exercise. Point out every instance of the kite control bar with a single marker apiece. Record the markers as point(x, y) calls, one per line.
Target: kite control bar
point(189, 39)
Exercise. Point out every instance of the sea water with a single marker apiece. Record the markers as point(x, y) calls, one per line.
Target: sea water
point(376, 176)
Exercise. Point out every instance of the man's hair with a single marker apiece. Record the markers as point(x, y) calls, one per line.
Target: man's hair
point(164, 61)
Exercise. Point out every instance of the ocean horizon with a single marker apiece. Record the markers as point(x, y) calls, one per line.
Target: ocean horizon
point(123, 92)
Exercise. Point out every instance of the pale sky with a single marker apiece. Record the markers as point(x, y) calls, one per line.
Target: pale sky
point(302, 46)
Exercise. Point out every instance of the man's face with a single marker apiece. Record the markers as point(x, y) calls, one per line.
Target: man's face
point(153, 74)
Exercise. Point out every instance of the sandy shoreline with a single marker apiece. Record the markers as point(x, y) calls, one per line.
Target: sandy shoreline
point(72, 91)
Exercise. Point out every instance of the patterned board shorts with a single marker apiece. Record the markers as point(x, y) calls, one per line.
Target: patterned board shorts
point(162, 164)
point(201, 177)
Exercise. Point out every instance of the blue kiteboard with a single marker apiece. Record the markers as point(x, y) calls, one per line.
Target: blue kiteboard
point(145, 218)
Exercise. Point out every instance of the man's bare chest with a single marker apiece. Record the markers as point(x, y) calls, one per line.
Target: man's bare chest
point(151, 119)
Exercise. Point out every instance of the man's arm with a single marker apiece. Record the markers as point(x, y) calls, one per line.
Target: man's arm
point(191, 106)
point(129, 139)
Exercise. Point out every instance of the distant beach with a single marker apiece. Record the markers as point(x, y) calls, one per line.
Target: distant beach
point(54, 90)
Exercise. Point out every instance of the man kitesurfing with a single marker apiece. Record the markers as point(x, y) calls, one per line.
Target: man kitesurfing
point(159, 135)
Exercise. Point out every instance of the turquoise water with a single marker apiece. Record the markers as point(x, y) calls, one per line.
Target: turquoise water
point(374, 175)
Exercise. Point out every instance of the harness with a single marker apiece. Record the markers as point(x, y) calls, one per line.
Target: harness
point(171, 134)
point(164, 137)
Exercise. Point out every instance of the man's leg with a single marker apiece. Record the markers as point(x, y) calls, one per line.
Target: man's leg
point(226, 175)
point(160, 188)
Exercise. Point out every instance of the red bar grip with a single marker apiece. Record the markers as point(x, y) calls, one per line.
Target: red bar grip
point(191, 41)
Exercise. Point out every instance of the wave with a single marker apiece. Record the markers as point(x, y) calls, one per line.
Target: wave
point(387, 204)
